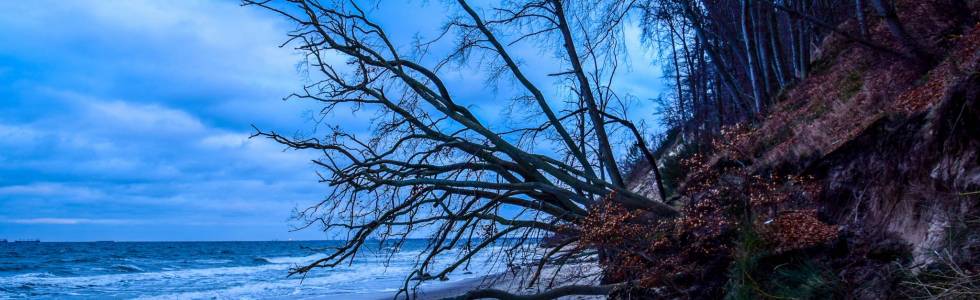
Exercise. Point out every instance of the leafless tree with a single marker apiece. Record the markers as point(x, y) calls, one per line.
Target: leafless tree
point(431, 164)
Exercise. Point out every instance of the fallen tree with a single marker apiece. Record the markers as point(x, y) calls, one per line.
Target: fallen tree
point(432, 165)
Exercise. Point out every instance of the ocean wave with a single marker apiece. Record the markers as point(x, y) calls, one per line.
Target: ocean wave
point(294, 287)
point(32, 275)
point(11, 268)
point(261, 260)
point(299, 260)
point(110, 279)
point(72, 260)
point(212, 261)
point(128, 268)
point(265, 278)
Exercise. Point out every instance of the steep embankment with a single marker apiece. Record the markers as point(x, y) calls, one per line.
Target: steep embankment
point(862, 182)
point(894, 146)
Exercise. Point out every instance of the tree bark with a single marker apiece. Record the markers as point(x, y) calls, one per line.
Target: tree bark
point(750, 56)
point(762, 49)
point(803, 48)
point(794, 27)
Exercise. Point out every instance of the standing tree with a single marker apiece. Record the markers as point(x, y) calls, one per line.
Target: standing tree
point(730, 59)
point(432, 165)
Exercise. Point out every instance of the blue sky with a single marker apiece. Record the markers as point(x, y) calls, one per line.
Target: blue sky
point(128, 120)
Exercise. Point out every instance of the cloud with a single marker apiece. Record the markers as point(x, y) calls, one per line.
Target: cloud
point(47, 189)
point(66, 221)
point(138, 113)
point(141, 118)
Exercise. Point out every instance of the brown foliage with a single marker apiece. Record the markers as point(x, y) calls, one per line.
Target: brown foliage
point(692, 253)
point(749, 175)
point(793, 230)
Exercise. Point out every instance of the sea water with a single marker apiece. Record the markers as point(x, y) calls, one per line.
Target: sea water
point(207, 270)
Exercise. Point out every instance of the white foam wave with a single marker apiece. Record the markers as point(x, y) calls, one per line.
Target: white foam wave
point(212, 261)
point(136, 275)
point(31, 275)
point(293, 259)
point(110, 279)
point(367, 275)
point(339, 282)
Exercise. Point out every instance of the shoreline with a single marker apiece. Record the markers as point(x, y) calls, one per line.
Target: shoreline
point(513, 282)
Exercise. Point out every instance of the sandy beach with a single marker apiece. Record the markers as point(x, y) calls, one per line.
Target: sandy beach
point(517, 281)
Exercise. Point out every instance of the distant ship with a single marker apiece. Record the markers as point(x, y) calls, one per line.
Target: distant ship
point(28, 241)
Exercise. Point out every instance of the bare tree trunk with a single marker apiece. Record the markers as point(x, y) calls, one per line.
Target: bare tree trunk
point(777, 48)
point(801, 16)
point(677, 71)
point(722, 114)
point(803, 47)
point(702, 84)
point(750, 56)
point(859, 14)
point(692, 83)
point(794, 45)
point(716, 60)
point(762, 49)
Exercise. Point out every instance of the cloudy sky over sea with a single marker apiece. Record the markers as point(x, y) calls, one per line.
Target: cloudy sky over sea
point(129, 120)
